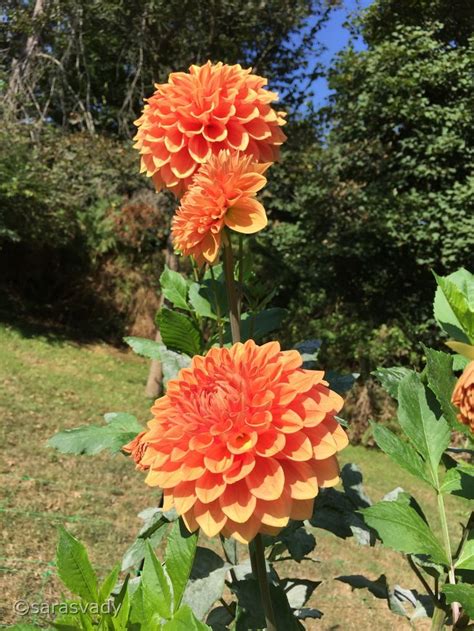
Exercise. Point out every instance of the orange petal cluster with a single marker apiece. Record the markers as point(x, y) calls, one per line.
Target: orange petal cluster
point(242, 441)
point(463, 396)
point(222, 194)
point(196, 114)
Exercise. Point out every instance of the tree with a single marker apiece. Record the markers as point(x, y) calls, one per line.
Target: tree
point(92, 62)
point(387, 195)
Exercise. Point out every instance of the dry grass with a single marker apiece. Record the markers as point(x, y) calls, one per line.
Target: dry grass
point(49, 384)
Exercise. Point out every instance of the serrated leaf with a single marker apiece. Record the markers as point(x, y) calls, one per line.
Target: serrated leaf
point(429, 436)
point(121, 428)
point(180, 551)
point(206, 582)
point(390, 378)
point(441, 381)
point(185, 620)
point(459, 480)
point(257, 326)
point(155, 585)
point(401, 528)
point(155, 526)
point(209, 298)
point(179, 332)
point(74, 567)
point(465, 560)
point(454, 305)
point(108, 584)
point(174, 288)
point(400, 452)
point(144, 347)
point(461, 593)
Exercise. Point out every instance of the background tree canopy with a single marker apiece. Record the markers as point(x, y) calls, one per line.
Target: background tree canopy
point(374, 190)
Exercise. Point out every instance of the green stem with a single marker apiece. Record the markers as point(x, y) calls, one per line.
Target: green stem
point(438, 619)
point(231, 291)
point(241, 273)
point(449, 554)
point(259, 568)
point(220, 332)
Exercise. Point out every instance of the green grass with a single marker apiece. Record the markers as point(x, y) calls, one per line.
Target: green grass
point(48, 384)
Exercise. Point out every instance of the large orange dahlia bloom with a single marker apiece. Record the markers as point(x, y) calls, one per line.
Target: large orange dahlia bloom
point(242, 440)
point(463, 396)
point(222, 194)
point(196, 115)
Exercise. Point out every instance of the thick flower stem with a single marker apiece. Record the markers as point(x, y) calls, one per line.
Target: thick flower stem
point(449, 554)
point(231, 291)
point(259, 568)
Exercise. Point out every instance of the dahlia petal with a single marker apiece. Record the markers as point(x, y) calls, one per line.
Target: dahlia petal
point(240, 468)
point(244, 533)
point(270, 443)
point(323, 441)
point(298, 447)
point(174, 140)
point(266, 480)
point(252, 182)
point(301, 479)
point(237, 137)
point(327, 472)
point(247, 217)
point(190, 521)
point(209, 517)
point(182, 163)
point(199, 149)
point(258, 129)
point(184, 497)
point(218, 459)
point(209, 487)
point(277, 512)
point(167, 501)
point(237, 502)
point(289, 421)
point(210, 247)
point(302, 509)
point(215, 132)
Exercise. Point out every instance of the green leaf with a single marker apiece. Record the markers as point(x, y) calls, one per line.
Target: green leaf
point(174, 288)
point(185, 620)
point(454, 305)
point(155, 526)
point(74, 567)
point(108, 584)
point(155, 585)
point(400, 527)
point(206, 581)
point(180, 551)
point(441, 381)
point(179, 332)
point(209, 297)
point(390, 378)
point(144, 347)
point(121, 428)
point(459, 480)
point(257, 326)
point(400, 452)
point(461, 593)
point(430, 436)
point(465, 560)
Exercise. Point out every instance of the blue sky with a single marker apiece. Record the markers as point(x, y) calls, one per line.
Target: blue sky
point(335, 37)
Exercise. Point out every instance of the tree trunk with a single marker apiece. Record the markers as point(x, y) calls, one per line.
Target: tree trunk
point(21, 68)
point(155, 375)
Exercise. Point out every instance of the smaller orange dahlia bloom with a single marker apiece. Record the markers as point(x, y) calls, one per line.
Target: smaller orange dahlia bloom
point(196, 114)
point(242, 441)
point(463, 396)
point(222, 194)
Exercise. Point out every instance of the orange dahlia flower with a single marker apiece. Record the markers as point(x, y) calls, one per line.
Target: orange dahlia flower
point(242, 441)
point(195, 115)
point(463, 396)
point(222, 194)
